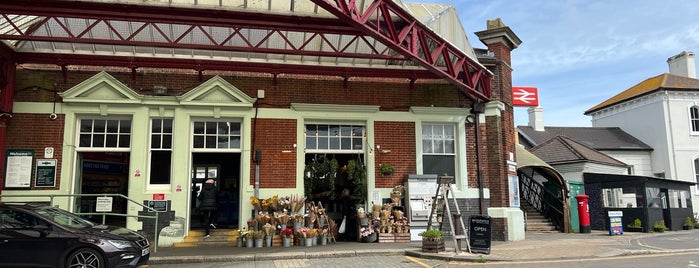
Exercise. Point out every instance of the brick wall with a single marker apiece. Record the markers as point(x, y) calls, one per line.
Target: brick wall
point(35, 132)
point(399, 138)
point(275, 138)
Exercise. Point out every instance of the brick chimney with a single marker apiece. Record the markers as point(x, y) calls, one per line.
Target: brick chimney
point(683, 64)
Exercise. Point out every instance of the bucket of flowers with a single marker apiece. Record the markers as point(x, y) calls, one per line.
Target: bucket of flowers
point(287, 234)
point(367, 234)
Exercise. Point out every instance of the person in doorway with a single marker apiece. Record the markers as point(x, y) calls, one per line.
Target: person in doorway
point(208, 204)
point(348, 215)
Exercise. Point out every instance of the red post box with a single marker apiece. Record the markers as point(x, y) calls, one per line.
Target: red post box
point(583, 213)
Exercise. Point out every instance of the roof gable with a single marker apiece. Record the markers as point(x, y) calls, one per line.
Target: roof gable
point(599, 138)
point(101, 88)
point(216, 92)
point(565, 150)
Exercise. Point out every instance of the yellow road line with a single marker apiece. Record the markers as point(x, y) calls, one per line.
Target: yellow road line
point(418, 262)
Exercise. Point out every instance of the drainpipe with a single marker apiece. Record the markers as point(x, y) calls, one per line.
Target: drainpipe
point(477, 109)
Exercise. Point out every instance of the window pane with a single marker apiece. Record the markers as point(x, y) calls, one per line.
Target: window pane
point(124, 141)
point(210, 142)
point(160, 164)
point(235, 129)
point(235, 142)
point(323, 130)
point(111, 140)
point(334, 131)
point(155, 141)
point(112, 126)
point(98, 140)
point(311, 143)
point(198, 128)
point(427, 146)
point(124, 126)
point(357, 131)
point(322, 143)
point(210, 127)
point(157, 126)
point(85, 125)
point(167, 125)
point(334, 143)
point(85, 140)
point(345, 143)
point(357, 144)
point(198, 141)
point(449, 146)
point(438, 164)
point(167, 141)
point(99, 126)
point(438, 147)
point(311, 130)
point(223, 142)
point(345, 131)
point(223, 128)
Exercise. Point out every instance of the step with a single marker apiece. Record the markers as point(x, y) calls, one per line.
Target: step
point(217, 238)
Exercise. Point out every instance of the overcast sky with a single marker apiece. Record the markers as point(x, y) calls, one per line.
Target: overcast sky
point(580, 53)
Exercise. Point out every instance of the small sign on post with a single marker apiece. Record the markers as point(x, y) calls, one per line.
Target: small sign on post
point(616, 227)
point(104, 204)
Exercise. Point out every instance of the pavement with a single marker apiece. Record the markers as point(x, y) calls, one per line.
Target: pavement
point(536, 246)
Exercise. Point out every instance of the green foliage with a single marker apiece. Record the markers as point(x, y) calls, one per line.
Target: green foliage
point(659, 226)
point(386, 169)
point(688, 222)
point(356, 174)
point(636, 223)
point(432, 233)
point(319, 177)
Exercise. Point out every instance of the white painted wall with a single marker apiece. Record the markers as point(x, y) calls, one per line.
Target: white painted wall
point(640, 160)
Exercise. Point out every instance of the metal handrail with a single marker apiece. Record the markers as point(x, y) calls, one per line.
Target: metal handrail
point(535, 193)
point(52, 197)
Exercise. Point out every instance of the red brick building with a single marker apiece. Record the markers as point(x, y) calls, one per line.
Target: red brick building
point(148, 100)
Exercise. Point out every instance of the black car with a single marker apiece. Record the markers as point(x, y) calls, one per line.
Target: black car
point(43, 236)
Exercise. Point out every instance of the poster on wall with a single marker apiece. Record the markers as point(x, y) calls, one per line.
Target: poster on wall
point(18, 168)
point(514, 191)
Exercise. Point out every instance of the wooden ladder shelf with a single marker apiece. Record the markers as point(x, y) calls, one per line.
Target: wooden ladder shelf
point(440, 205)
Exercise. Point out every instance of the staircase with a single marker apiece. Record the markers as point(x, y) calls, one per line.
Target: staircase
point(535, 222)
point(218, 238)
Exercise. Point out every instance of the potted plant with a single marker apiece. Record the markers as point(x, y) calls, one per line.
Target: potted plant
point(636, 226)
point(659, 226)
point(386, 169)
point(688, 224)
point(432, 240)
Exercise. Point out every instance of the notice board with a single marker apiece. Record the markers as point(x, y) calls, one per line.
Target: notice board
point(18, 168)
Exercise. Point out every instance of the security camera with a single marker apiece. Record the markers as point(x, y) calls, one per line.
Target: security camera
point(53, 116)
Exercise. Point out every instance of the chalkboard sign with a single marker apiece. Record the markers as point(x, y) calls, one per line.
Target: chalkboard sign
point(45, 173)
point(479, 233)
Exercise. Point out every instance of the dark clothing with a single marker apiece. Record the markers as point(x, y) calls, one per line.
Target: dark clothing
point(207, 197)
point(208, 204)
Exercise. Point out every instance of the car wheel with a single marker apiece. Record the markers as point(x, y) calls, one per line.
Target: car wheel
point(85, 258)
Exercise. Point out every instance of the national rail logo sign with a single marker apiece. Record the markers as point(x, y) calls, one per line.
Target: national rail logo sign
point(525, 96)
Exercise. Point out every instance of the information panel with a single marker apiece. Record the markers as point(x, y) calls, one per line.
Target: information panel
point(18, 168)
point(45, 173)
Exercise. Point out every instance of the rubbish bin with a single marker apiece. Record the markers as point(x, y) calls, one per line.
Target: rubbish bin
point(583, 213)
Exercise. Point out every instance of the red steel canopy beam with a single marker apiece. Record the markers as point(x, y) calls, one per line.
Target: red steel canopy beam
point(220, 30)
point(197, 64)
point(390, 24)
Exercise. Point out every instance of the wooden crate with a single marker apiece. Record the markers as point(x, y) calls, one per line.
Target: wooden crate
point(402, 237)
point(387, 238)
point(277, 241)
point(432, 246)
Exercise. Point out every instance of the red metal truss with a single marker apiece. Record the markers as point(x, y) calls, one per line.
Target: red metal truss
point(393, 26)
point(190, 28)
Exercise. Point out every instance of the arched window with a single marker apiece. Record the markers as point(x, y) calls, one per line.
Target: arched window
point(694, 118)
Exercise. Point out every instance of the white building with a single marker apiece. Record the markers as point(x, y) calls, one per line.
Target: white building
point(663, 112)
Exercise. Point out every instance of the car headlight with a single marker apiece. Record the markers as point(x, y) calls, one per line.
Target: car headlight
point(120, 244)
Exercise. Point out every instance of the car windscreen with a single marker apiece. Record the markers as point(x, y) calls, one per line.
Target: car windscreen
point(65, 218)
